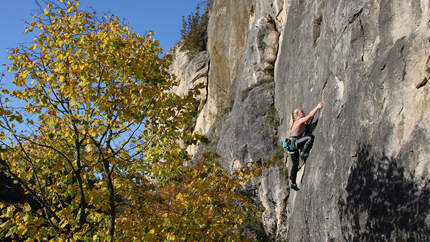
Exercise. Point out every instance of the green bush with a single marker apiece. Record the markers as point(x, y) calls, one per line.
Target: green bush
point(272, 115)
point(278, 153)
point(279, 158)
point(194, 30)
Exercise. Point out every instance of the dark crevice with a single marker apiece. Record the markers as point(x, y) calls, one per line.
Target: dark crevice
point(207, 80)
point(341, 111)
point(355, 16)
point(422, 83)
point(325, 84)
point(205, 98)
point(363, 34)
point(198, 77)
point(350, 21)
point(317, 29)
point(200, 67)
point(404, 62)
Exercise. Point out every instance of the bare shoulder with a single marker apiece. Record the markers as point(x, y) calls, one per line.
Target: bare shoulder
point(301, 121)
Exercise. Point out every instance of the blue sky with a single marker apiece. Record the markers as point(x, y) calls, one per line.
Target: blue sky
point(164, 17)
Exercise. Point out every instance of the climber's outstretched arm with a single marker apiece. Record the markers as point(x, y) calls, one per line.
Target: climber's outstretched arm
point(312, 113)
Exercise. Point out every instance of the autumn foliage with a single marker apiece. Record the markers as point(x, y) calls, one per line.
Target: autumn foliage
point(96, 145)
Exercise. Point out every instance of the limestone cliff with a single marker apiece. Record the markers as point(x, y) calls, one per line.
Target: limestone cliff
point(367, 177)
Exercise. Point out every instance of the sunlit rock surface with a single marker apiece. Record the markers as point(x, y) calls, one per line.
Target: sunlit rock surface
point(367, 177)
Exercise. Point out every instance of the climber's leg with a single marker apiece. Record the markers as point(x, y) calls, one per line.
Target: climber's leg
point(303, 145)
point(293, 174)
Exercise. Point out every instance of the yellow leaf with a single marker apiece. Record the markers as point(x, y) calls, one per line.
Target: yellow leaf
point(72, 8)
point(45, 11)
point(27, 207)
point(3, 225)
point(10, 210)
point(64, 224)
point(179, 196)
point(90, 148)
point(171, 237)
point(24, 75)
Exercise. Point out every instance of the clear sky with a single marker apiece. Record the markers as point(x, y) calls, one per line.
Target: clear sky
point(164, 17)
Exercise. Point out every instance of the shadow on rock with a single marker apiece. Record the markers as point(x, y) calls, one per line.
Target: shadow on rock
point(308, 132)
point(383, 202)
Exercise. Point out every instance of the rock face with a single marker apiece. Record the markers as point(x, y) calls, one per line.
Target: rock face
point(367, 176)
point(190, 72)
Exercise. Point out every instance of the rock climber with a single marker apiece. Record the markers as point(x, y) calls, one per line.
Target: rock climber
point(297, 143)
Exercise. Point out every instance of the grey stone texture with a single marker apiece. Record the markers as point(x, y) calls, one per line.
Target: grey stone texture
point(367, 176)
point(189, 72)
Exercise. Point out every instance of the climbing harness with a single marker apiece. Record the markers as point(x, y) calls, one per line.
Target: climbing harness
point(290, 144)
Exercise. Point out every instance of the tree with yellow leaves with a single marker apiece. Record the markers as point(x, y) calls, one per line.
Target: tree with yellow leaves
point(96, 146)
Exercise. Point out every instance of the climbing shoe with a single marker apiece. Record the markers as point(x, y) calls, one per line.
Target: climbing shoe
point(304, 156)
point(295, 187)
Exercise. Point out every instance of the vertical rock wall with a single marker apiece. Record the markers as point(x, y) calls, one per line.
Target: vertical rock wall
point(243, 44)
point(367, 177)
point(189, 73)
